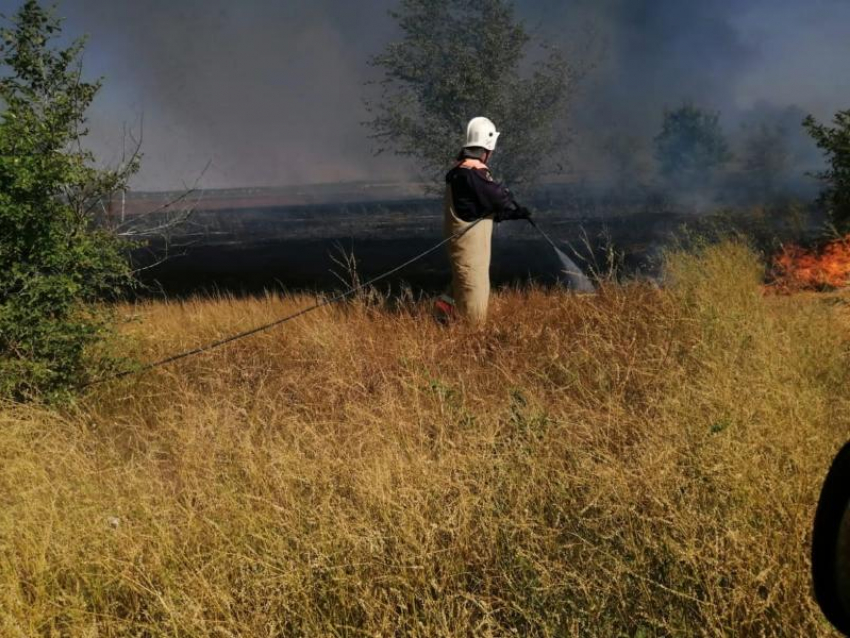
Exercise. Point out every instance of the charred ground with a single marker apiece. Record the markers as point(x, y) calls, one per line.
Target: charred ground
point(246, 241)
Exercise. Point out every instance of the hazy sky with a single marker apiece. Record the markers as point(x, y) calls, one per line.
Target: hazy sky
point(270, 91)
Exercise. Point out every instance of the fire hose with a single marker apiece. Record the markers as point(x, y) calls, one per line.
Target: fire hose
point(319, 304)
point(577, 280)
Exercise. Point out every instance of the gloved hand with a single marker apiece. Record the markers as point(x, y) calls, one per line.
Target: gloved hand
point(520, 212)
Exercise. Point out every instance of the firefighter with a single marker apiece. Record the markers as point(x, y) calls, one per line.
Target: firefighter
point(472, 194)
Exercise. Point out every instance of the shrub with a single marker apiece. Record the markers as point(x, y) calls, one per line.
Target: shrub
point(54, 260)
point(835, 143)
point(691, 147)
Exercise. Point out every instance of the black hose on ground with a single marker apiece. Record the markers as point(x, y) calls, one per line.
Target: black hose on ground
point(282, 320)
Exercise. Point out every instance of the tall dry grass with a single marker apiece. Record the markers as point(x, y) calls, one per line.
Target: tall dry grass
point(639, 463)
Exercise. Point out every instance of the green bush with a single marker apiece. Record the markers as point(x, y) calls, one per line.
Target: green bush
point(835, 143)
point(691, 147)
point(55, 259)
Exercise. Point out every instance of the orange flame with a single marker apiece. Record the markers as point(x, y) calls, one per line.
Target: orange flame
point(796, 268)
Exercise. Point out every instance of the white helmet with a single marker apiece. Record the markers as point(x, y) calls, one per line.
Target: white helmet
point(481, 132)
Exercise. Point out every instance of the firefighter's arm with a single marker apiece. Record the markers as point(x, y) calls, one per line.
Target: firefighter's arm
point(496, 199)
point(511, 210)
point(516, 212)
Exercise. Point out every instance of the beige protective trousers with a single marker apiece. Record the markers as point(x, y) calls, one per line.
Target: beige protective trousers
point(470, 261)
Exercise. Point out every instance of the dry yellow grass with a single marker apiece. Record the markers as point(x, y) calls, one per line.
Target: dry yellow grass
point(639, 463)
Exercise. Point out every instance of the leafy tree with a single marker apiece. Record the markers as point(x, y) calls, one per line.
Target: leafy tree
point(691, 147)
point(835, 143)
point(55, 261)
point(457, 60)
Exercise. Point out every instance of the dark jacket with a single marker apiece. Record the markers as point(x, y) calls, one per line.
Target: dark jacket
point(476, 195)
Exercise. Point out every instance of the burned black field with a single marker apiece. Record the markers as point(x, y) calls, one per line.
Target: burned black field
point(313, 247)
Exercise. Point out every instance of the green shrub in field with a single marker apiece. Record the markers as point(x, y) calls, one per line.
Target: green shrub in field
point(691, 147)
point(835, 143)
point(54, 260)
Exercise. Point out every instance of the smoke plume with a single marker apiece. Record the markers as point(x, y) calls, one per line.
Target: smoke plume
point(271, 92)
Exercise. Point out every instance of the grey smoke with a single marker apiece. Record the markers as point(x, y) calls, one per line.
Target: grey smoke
point(771, 61)
point(271, 91)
